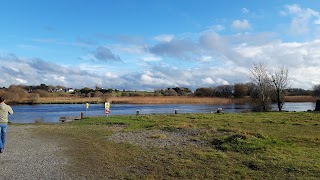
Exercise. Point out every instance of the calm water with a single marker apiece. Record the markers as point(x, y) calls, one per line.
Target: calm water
point(52, 112)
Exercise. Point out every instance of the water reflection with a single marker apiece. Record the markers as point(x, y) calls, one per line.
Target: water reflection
point(52, 112)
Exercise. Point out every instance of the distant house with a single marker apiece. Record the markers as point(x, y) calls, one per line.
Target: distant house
point(70, 90)
point(58, 89)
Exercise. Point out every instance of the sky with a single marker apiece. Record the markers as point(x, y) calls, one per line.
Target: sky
point(156, 44)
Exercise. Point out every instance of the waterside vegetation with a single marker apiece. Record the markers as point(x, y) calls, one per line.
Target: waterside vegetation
point(239, 93)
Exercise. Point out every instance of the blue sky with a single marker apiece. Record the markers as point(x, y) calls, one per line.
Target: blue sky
point(152, 44)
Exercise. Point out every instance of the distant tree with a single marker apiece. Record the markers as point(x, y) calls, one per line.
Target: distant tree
point(33, 97)
point(280, 82)
point(170, 92)
point(97, 88)
point(106, 97)
point(42, 93)
point(182, 91)
point(224, 91)
point(109, 90)
point(135, 94)
point(316, 90)
point(16, 92)
point(97, 94)
point(124, 94)
point(250, 88)
point(261, 95)
point(298, 92)
point(43, 87)
point(240, 90)
point(86, 91)
point(204, 92)
point(158, 92)
point(51, 88)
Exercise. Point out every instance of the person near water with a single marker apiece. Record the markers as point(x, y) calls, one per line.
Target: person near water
point(4, 111)
point(107, 107)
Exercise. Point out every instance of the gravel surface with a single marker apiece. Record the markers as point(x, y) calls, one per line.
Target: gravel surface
point(28, 155)
point(159, 138)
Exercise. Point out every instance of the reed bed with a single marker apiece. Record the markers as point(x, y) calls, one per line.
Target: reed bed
point(134, 100)
point(171, 100)
point(153, 100)
point(300, 99)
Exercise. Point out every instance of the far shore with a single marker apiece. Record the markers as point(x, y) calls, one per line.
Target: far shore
point(152, 100)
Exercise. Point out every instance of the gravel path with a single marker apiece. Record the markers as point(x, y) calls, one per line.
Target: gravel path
point(28, 155)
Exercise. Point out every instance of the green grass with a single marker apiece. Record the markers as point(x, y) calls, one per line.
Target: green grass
point(234, 146)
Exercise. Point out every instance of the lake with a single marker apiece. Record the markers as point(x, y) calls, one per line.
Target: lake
point(52, 112)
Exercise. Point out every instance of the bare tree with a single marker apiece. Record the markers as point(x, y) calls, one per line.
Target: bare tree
point(316, 90)
point(260, 77)
point(280, 82)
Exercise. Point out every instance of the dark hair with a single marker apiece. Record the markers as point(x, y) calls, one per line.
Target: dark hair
point(1, 99)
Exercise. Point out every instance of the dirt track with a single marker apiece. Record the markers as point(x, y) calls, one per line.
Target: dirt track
point(28, 155)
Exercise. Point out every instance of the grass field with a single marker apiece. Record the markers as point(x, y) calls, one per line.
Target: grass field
point(193, 146)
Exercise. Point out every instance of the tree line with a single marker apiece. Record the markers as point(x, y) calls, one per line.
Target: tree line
point(238, 90)
point(266, 87)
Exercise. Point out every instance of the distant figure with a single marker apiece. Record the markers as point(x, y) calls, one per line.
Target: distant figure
point(107, 107)
point(4, 111)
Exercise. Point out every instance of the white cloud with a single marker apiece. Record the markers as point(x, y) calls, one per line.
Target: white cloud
point(21, 81)
point(244, 10)
point(217, 28)
point(164, 37)
point(302, 19)
point(293, 9)
point(205, 58)
point(178, 48)
point(151, 58)
point(111, 75)
point(131, 49)
point(240, 25)
point(208, 80)
point(222, 81)
point(317, 22)
point(154, 81)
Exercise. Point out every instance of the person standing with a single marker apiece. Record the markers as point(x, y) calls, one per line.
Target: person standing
point(4, 111)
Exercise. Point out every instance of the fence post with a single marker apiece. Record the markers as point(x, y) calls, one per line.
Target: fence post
point(317, 105)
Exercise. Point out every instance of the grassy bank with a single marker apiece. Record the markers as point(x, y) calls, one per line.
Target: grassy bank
point(193, 146)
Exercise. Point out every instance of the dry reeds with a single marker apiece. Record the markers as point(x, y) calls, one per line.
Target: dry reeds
point(153, 100)
point(300, 99)
point(171, 100)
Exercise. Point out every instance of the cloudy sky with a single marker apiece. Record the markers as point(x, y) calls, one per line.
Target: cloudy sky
point(152, 44)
